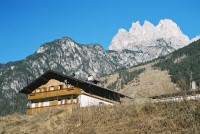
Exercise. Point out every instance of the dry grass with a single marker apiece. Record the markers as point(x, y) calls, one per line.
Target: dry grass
point(182, 117)
point(152, 82)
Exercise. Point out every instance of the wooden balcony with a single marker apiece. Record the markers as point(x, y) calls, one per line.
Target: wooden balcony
point(48, 94)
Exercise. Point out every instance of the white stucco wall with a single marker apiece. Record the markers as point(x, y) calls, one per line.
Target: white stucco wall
point(86, 100)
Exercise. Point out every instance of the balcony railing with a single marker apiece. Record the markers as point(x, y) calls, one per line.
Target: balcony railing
point(53, 93)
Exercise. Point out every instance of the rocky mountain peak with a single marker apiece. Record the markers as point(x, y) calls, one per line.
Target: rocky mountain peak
point(122, 31)
point(148, 24)
point(135, 27)
point(147, 34)
point(168, 28)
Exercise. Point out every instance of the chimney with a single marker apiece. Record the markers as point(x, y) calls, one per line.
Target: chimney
point(90, 78)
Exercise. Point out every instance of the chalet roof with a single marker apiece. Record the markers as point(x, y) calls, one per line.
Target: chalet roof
point(85, 85)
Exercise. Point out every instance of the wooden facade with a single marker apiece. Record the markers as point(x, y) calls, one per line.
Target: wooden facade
point(53, 89)
point(52, 94)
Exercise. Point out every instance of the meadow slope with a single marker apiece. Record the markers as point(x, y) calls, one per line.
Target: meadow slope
point(182, 117)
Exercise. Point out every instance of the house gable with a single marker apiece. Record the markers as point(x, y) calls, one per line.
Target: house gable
point(51, 85)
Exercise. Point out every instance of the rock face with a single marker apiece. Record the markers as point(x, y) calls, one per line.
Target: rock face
point(66, 56)
point(150, 41)
point(125, 58)
point(63, 55)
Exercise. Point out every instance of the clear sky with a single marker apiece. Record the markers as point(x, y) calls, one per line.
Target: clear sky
point(27, 24)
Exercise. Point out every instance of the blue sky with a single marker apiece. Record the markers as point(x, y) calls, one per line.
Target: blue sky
point(27, 24)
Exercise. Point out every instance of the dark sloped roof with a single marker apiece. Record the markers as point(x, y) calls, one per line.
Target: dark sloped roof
point(85, 85)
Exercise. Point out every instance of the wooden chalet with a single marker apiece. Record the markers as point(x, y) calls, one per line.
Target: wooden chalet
point(53, 89)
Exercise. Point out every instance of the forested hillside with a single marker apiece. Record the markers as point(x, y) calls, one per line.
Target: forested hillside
point(183, 65)
point(14, 103)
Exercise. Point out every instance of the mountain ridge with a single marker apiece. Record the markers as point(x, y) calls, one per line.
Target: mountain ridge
point(63, 55)
point(67, 56)
point(146, 34)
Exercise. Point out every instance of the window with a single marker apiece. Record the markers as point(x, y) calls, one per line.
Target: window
point(45, 89)
point(46, 103)
point(60, 87)
point(75, 100)
point(39, 104)
point(42, 90)
point(29, 104)
point(70, 86)
point(51, 88)
point(37, 90)
point(63, 101)
point(59, 102)
point(32, 105)
point(69, 101)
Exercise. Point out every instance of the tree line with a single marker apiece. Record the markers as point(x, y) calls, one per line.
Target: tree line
point(183, 65)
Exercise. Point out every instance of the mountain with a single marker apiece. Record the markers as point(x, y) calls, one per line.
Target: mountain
point(67, 56)
point(150, 41)
point(63, 55)
point(183, 65)
point(126, 58)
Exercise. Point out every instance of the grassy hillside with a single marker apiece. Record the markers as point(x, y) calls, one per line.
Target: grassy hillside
point(176, 118)
point(148, 82)
point(183, 65)
point(152, 82)
point(122, 77)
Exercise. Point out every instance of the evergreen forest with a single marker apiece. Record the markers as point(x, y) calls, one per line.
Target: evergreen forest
point(183, 65)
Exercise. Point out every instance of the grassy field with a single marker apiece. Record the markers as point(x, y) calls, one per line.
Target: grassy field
point(176, 117)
